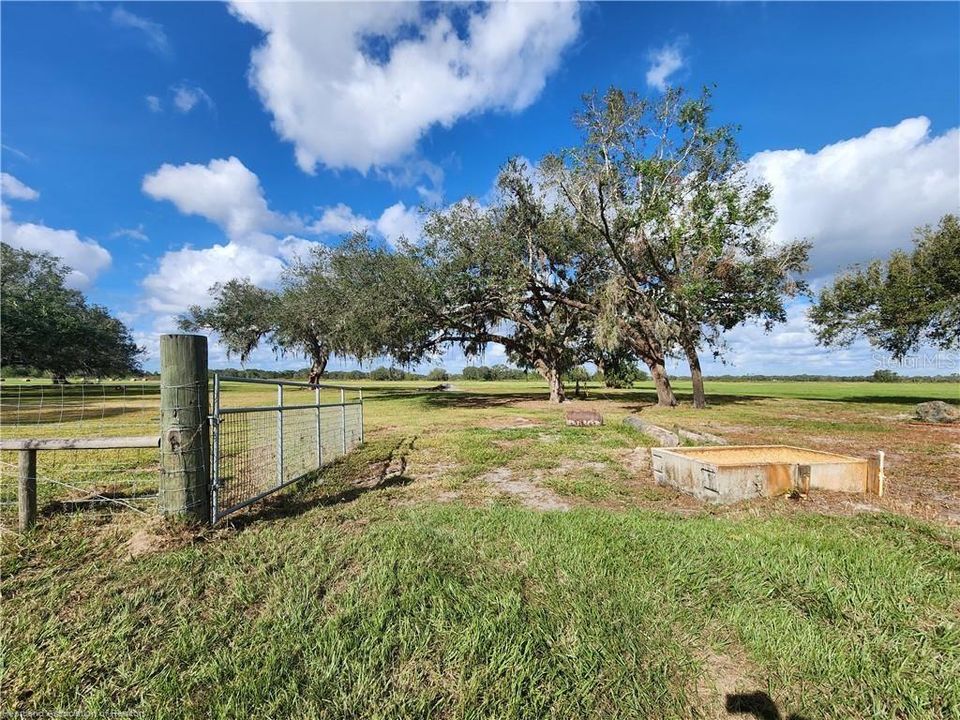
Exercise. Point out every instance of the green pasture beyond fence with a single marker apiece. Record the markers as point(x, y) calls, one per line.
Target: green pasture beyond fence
point(145, 446)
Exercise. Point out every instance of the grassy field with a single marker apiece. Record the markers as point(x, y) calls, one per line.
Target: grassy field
point(478, 558)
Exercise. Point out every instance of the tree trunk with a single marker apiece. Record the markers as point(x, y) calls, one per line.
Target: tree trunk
point(552, 377)
point(318, 367)
point(556, 387)
point(648, 349)
point(658, 371)
point(696, 375)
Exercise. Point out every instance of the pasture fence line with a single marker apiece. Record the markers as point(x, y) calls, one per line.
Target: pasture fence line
point(79, 446)
point(185, 451)
point(260, 449)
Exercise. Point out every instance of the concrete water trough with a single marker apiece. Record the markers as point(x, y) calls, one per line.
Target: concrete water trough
point(741, 472)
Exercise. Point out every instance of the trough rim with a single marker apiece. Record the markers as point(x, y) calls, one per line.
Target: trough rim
point(829, 456)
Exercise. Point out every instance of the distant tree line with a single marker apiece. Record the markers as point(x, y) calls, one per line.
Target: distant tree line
point(879, 376)
point(497, 372)
point(505, 372)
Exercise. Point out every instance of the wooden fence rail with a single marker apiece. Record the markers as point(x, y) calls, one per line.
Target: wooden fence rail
point(27, 449)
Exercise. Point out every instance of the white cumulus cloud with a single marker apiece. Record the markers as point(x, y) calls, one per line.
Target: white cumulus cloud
point(858, 199)
point(664, 62)
point(395, 222)
point(355, 85)
point(184, 277)
point(225, 192)
point(12, 189)
point(228, 194)
point(86, 257)
point(399, 221)
point(340, 219)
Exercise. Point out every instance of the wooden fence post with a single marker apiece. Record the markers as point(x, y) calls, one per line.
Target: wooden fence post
point(184, 427)
point(27, 490)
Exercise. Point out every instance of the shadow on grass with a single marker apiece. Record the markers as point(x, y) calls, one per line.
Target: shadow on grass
point(444, 399)
point(95, 501)
point(758, 704)
point(634, 400)
point(289, 506)
point(91, 415)
point(377, 473)
point(459, 398)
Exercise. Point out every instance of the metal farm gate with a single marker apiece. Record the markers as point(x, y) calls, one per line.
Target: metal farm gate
point(258, 449)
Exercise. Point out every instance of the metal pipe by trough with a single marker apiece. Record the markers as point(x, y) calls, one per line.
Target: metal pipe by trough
point(741, 472)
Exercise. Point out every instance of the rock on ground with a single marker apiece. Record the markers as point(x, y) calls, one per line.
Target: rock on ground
point(937, 411)
point(661, 435)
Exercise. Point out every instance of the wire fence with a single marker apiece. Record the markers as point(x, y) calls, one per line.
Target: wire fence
point(263, 440)
point(260, 449)
point(97, 479)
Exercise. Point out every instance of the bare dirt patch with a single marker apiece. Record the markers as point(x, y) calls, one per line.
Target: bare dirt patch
point(729, 685)
point(428, 472)
point(527, 492)
point(724, 673)
point(158, 536)
point(571, 466)
point(636, 460)
point(512, 423)
point(394, 465)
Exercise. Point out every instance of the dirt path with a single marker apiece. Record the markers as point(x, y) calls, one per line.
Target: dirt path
point(528, 493)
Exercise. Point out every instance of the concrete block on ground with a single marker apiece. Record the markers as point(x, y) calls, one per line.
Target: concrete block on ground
point(734, 473)
point(701, 438)
point(664, 437)
point(582, 418)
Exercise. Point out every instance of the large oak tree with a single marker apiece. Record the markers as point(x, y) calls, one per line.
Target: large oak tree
point(667, 200)
point(494, 276)
point(340, 301)
point(52, 328)
point(899, 303)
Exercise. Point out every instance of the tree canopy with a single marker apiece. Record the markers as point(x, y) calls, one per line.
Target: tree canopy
point(335, 302)
point(52, 328)
point(492, 275)
point(899, 303)
point(647, 239)
point(680, 228)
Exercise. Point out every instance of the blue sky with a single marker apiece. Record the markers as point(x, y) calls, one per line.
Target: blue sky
point(160, 147)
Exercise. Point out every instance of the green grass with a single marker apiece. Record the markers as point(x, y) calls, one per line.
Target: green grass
point(428, 594)
point(499, 612)
point(587, 484)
